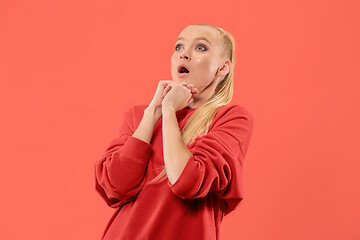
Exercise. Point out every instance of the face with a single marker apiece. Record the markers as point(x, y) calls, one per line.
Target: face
point(201, 56)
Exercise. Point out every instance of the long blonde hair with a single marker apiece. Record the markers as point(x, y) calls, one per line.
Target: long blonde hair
point(199, 122)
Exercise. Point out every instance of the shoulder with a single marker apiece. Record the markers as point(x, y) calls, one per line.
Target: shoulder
point(133, 115)
point(234, 109)
point(231, 112)
point(235, 121)
point(135, 110)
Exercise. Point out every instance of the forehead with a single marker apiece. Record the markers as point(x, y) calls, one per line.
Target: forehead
point(192, 32)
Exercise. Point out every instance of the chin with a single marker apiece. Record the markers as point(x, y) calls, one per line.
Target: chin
point(176, 79)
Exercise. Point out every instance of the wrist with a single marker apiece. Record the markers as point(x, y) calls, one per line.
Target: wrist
point(152, 113)
point(168, 110)
point(150, 108)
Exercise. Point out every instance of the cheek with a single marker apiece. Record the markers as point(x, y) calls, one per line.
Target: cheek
point(212, 68)
point(172, 65)
point(206, 66)
point(205, 72)
point(172, 61)
point(201, 75)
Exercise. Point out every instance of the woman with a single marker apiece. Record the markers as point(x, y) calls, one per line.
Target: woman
point(176, 178)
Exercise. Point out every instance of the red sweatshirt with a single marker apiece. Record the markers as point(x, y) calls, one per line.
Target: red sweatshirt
point(209, 187)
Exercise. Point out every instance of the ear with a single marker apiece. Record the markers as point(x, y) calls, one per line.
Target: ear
point(224, 69)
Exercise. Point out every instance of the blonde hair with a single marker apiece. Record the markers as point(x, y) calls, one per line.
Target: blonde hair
point(199, 122)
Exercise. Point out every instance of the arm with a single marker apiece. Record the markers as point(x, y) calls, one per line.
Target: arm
point(146, 127)
point(176, 154)
point(119, 174)
point(216, 160)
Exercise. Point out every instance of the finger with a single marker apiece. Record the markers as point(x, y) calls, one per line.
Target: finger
point(164, 83)
point(187, 88)
point(186, 85)
point(190, 86)
point(193, 90)
point(190, 100)
point(166, 90)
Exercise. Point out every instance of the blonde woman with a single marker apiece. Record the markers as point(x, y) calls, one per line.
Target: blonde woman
point(175, 169)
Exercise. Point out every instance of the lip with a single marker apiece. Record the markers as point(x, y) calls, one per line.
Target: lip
point(181, 75)
point(183, 65)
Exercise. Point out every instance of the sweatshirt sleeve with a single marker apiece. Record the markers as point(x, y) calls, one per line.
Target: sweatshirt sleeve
point(217, 161)
point(119, 173)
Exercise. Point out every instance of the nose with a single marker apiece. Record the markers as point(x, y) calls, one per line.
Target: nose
point(184, 56)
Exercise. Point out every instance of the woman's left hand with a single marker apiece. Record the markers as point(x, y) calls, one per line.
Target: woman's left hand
point(178, 97)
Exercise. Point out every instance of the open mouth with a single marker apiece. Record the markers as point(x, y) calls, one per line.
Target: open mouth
point(183, 69)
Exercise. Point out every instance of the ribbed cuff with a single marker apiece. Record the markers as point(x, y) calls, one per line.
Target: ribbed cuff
point(188, 182)
point(138, 149)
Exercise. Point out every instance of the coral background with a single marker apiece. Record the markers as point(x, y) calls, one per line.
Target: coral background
point(69, 69)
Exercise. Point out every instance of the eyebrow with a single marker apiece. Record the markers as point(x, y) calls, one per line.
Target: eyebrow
point(199, 38)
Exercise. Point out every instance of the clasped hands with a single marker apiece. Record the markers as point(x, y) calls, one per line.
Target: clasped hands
point(173, 96)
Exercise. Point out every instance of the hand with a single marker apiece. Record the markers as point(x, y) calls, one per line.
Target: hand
point(177, 95)
point(158, 97)
point(156, 102)
point(188, 85)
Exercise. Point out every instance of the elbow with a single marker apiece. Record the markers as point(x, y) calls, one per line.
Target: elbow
point(188, 184)
point(118, 192)
point(231, 205)
point(113, 195)
point(176, 163)
point(116, 186)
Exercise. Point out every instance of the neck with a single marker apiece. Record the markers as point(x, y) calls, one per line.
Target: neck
point(204, 95)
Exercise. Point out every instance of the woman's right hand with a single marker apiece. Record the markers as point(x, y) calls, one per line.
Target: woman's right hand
point(155, 104)
point(158, 97)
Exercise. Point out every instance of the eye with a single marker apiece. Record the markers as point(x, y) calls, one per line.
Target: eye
point(204, 47)
point(177, 46)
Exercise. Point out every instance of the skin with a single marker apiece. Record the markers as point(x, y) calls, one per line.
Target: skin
point(207, 68)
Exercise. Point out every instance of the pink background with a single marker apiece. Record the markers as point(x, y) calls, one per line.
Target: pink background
point(69, 69)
